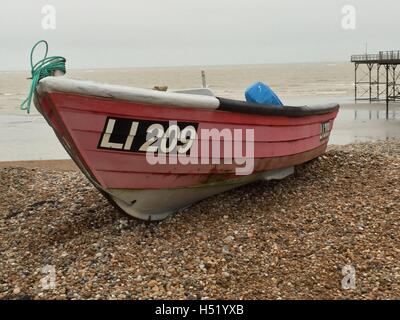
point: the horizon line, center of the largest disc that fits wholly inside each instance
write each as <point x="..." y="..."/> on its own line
<point x="188" y="65"/>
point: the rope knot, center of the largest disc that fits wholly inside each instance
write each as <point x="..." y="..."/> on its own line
<point x="42" y="69"/>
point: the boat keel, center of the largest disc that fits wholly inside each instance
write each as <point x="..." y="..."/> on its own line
<point x="156" y="204"/>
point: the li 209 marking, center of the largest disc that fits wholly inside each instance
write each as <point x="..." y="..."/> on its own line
<point x="133" y="135"/>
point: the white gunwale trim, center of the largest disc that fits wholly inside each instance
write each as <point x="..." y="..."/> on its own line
<point x="89" y="88"/>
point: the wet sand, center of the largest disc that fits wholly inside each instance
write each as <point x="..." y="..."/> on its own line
<point x="270" y="240"/>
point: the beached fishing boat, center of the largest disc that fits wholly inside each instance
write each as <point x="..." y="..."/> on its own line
<point x="153" y="153"/>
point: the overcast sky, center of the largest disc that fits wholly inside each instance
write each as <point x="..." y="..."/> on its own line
<point x="123" y="33"/>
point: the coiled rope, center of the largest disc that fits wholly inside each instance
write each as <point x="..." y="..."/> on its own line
<point x="42" y="69"/>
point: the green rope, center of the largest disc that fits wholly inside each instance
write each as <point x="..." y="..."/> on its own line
<point x="43" y="68"/>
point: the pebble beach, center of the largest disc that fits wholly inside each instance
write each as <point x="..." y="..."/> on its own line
<point x="285" y="239"/>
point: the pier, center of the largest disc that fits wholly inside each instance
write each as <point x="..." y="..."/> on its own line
<point x="377" y="77"/>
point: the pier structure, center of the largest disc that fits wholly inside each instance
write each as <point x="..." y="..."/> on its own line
<point x="377" y="77"/>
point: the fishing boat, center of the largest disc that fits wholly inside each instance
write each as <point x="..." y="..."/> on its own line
<point x="146" y="150"/>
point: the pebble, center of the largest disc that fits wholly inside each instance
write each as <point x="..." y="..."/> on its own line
<point x="16" y="291"/>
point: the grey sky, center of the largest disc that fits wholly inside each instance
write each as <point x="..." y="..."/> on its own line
<point x="122" y="33"/>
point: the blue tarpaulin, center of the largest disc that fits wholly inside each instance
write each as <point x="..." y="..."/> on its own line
<point x="261" y="93"/>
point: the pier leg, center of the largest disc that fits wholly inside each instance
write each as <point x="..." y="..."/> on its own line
<point x="377" y="82"/>
<point x="355" y="81"/>
<point x="394" y="82"/>
<point x="387" y="92"/>
<point x="370" y="66"/>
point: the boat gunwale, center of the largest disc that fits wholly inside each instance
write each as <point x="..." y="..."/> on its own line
<point x="238" y="106"/>
<point x="178" y="100"/>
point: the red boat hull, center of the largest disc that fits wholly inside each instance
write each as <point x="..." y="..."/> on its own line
<point x="79" y="121"/>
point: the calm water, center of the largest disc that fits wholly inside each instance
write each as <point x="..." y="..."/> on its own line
<point x="24" y="137"/>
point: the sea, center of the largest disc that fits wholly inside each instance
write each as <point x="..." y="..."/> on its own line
<point x="28" y="137"/>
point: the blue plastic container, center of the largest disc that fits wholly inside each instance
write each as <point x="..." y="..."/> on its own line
<point x="261" y="93"/>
